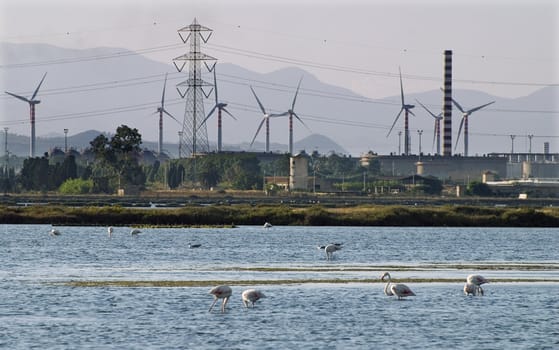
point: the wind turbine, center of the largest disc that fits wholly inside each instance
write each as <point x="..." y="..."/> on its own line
<point x="407" y="109"/>
<point x="32" y="102"/>
<point x="464" y="122"/>
<point x="220" y="107"/>
<point x="437" y="129"/>
<point x="266" y="119"/>
<point x="291" y="112"/>
<point x="161" y="110"/>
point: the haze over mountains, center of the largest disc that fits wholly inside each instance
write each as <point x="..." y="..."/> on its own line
<point x="100" y="89"/>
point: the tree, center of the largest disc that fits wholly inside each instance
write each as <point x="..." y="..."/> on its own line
<point x="175" y="175"/>
<point x="35" y="173"/>
<point x="117" y="160"/>
<point x="476" y="188"/>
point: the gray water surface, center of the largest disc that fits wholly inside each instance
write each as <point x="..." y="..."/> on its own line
<point x="38" y="310"/>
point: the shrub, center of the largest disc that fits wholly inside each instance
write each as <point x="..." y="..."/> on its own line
<point x="76" y="186"/>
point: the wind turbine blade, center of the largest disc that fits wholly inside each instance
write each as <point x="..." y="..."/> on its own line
<point x="425" y="108"/>
<point x="296" y="92"/>
<point x="401" y="87"/>
<point x="459" y="132"/>
<point x="202" y="123"/>
<point x="163" y="95"/>
<point x="37" y="89"/>
<point x="257" y="131"/>
<point x="410" y="112"/>
<point x="480" y="107"/>
<point x="273" y="115"/>
<point x="395" y="120"/>
<point x="302" y="122"/>
<point x="215" y="87"/>
<point x="458" y="106"/>
<point x="226" y="111"/>
<point x="18" y="96"/>
<point x="169" y="114"/>
<point x="213" y="109"/>
<point x="257" y="100"/>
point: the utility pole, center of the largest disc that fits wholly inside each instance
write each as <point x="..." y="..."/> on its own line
<point x="530" y="143"/>
<point x="194" y="137"/>
<point x="180" y="144"/>
<point x="6" y="148"/>
<point x="512" y="142"/>
<point x="65" y="140"/>
<point x="420" y="132"/>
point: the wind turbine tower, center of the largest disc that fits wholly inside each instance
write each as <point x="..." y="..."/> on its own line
<point x="32" y="102"/>
<point x="265" y="119"/>
<point x="464" y="123"/>
<point x="194" y="137"/>
<point x="220" y="107"/>
<point x="437" y="128"/>
<point x="407" y="108"/>
<point x="161" y="110"/>
<point x="291" y="113"/>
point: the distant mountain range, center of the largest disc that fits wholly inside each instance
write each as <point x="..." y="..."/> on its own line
<point x="19" y="144"/>
<point x="102" y="88"/>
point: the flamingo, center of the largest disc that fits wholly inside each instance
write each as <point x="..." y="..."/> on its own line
<point x="135" y="231"/>
<point x="251" y="295"/>
<point x="472" y="289"/>
<point x="54" y="232"/>
<point x="473" y="284"/>
<point x="220" y="292"/>
<point x="398" y="289"/>
<point x="110" y="231"/>
<point x="330" y="249"/>
<point x="478" y="280"/>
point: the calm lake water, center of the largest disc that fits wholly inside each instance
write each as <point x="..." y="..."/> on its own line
<point x="38" y="310"/>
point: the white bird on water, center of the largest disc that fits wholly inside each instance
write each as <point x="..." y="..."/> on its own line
<point x="110" y="231"/>
<point x="54" y="232"/>
<point x="267" y="225"/>
<point x="398" y="289"/>
<point x="472" y="289"/>
<point x="135" y="231"/>
<point x="330" y="249"/>
<point x="220" y="292"/>
<point x="251" y="296"/>
<point x="473" y="285"/>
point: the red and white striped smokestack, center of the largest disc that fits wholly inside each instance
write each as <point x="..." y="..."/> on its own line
<point x="447" y="104"/>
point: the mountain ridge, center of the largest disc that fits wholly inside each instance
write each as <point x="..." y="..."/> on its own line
<point x="81" y="93"/>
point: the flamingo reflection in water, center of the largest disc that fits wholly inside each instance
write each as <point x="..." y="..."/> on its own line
<point x="398" y="289"/>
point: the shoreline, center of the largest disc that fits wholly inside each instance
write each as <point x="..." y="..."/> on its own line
<point x="227" y="215"/>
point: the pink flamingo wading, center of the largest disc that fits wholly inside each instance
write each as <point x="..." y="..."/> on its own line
<point x="473" y="285"/>
<point x="398" y="289"/>
<point x="220" y="292"/>
<point x="251" y="296"/>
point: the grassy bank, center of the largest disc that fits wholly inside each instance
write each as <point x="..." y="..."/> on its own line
<point x="226" y="215"/>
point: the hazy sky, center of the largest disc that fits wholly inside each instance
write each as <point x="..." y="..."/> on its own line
<point x="508" y="48"/>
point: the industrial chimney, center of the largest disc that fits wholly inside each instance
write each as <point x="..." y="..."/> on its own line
<point x="447" y="104"/>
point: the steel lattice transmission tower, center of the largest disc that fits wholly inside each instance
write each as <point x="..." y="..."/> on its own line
<point x="194" y="137"/>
